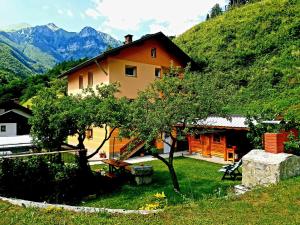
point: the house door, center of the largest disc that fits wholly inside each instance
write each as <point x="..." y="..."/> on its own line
<point x="206" y="150"/>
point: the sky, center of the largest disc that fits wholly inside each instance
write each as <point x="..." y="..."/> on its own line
<point x="115" y="17"/>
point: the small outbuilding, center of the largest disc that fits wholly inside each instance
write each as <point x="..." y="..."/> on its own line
<point x="222" y="137"/>
<point x="14" y="119"/>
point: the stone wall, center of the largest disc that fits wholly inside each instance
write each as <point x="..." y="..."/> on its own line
<point x="263" y="168"/>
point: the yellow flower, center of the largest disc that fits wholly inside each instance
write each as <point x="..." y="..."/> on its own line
<point x="151" y="206"/>
<point x="160" y="195"/>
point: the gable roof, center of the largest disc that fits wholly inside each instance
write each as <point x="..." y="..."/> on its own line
<point x="16" y="111"/>
<point x="160" y="36"/>
<point x="9" y="105"/>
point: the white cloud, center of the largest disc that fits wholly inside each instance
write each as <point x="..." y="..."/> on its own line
<point x="69" y="13"/>
<point x="59" y="11"/>
<point x="45" y="7"/>
<point x="92" y="13"/>
<point x="172" y="17"/>
<point x="82" y="15"/>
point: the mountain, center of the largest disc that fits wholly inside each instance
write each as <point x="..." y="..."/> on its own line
<point x="257" y="48"/>
<point x="14" y="27"/>
<point x="36" y="49"/>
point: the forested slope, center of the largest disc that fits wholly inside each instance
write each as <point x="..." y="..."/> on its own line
<point x="257" y="48"/>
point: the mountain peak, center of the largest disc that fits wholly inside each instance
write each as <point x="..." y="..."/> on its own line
<point x="88" y="31"/>
<point x="52" y="26"/>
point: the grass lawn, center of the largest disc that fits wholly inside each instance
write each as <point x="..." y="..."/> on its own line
<point x="198" y="180"/>
<point x="278" y="204"/>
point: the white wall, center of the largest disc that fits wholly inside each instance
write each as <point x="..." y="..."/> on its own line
<point x="11" y="129"/>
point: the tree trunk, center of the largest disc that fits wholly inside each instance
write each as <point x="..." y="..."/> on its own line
<point x="169" y="164"/>
<point x="82" y="152"/>
<point x="174" y="178"/>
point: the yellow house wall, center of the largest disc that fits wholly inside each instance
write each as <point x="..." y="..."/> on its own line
<point x="98" y="77"/>
<point x="130" y="85"/>
<point x="92" y="144"/>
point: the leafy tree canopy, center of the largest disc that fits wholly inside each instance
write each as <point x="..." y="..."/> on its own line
<point x="170" y="105"/>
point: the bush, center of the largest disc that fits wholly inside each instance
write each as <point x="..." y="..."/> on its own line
<point x="292" y="146"/>
<point x="40" y="179"/>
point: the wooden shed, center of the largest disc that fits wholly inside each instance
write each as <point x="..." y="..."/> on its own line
<point x="222" y="137"/>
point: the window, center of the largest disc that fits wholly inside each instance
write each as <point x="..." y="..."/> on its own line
<point x="153" y="52"/>
<point x="90" y="79"/>
<point x="217" y="138"/>
<point x="3" y="128"/>
<point x="80" y="82"/>
<point x="89" y="133"/>
<point x="157" y="72"/>
<point x="130" y="71"/>
<point x="197" y="136"/>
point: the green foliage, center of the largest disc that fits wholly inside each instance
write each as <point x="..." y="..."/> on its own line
<point x="13" y="62"/>
<point x="49" y="128"/>
<point x="263" y="206"/>
<point x="44" y="179"/>
<point x="179" y="98"/>
<point x="26" y="88"/>
<point x="292" y="145"/>
<point x="255" y="47"/>
<point x="175" y="100"/>
<point x="57" y="115"/>
<point x="215" y="11"/>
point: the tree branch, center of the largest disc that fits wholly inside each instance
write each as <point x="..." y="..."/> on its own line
<point x="103" y="142"/>
<point x="156" y="155"/>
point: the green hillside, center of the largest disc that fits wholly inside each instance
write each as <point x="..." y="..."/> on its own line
<point x="12" y="63"/>
<point x="20" y="61"/>
<point x="256" y="47"/>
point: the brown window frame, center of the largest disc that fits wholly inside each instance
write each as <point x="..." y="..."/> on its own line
<point x="80" y="80"/>
<point x="89" y="133"/>
<point x="90" y="79"/>
<point x="134" y="71"/>
<point x="153" y="53"/>
<point x="155" y="74"/>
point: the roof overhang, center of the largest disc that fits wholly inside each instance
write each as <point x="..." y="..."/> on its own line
<point x="170" y="45"/>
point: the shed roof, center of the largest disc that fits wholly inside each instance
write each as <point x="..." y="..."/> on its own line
<point x="222" y="122"/>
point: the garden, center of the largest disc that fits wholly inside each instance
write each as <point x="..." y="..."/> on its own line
<point x="198" y="179"/>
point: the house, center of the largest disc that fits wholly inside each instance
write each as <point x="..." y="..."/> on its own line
<point x="14" y="127"/>
<point x="134" y="65"/>
<point x="14" y="119"/>
<point x="222" y="137"/>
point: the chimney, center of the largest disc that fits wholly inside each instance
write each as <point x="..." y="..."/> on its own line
<point x="128" y="39"/>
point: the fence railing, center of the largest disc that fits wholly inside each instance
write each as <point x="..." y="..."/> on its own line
<point x="68" y="156"/>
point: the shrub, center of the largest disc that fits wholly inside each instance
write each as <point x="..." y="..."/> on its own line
<point x="40" y="179"/>
<point x="292" y="146"/>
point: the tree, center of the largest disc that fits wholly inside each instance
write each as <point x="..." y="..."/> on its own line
<point x="168" y="106"/>
<point x="100" y="108"/>
<point x="49" y="128"/>
<point x="233" y="3"/>
<point x="56" y="116"/>
<point x="216" y="11"/>
<point x="207" y="16"/>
